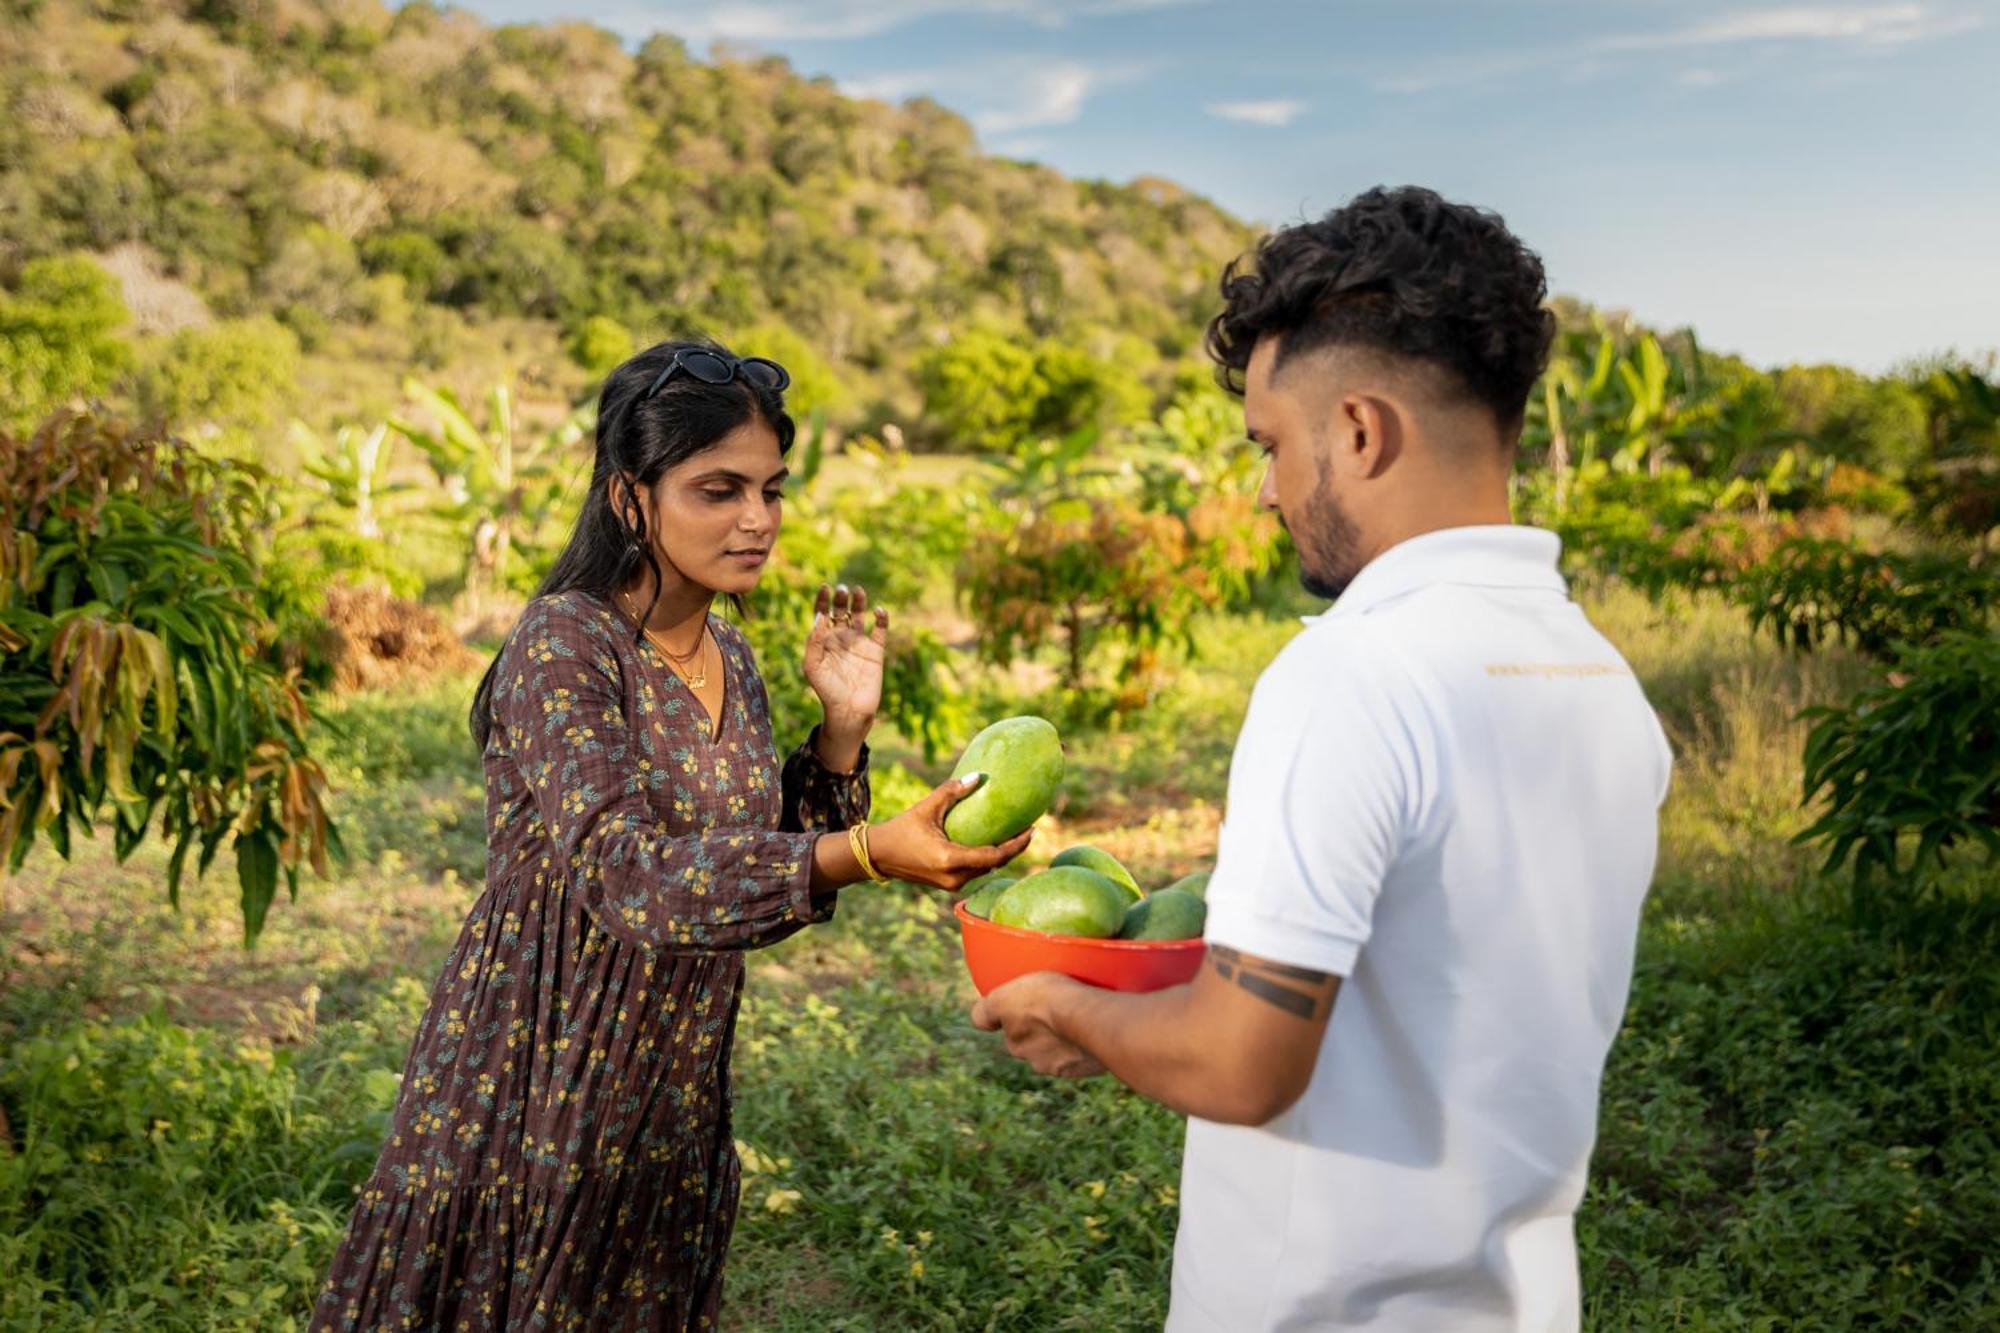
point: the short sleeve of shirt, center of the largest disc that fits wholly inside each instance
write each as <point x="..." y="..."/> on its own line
<point x="1328" y="787"/>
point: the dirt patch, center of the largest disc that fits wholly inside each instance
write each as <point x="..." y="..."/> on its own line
<point x="377" y="639"/>
<point x="96" y="939"/>
<point x="1162" y="845"/>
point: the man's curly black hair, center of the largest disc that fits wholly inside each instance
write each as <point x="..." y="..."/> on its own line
<point x="1398" y="271"/>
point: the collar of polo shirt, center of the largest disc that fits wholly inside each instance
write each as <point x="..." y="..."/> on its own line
<point x="1497" y="555"/>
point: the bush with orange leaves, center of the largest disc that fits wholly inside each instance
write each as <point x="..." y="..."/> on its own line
<point x="1721" y="546"/>
<point x="1080" y="570"/>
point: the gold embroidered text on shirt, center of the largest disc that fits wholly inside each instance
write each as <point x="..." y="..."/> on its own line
<point x="1557" y="669"/>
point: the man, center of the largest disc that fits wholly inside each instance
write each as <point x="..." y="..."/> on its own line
<point x="1442" y="820"/>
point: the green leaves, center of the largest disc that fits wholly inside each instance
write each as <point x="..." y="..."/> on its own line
<point x="257" y="871"/>
<point x="498" y="492"/>
<point x="990" y="391"/>
<point x="140" y="680"/>
<point x="1916" y="757"/>
<point x="1813" y="591"/>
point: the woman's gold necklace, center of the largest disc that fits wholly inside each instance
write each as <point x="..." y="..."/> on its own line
<point x="696" y="680"/>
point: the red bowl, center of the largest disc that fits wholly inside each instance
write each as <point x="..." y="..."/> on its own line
<point x="996" y="954"/>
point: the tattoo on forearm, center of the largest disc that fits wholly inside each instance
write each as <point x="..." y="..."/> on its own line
<point x="1299" y="991"/>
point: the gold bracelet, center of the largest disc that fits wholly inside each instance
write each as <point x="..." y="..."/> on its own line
<point x="857" y="842"/>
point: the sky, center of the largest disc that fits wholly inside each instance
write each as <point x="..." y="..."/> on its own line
<point x="1797" y="182"/>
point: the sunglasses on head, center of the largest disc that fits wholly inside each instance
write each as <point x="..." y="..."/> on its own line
<point x="715" y="368"/>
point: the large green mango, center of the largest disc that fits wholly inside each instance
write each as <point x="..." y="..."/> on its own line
<point x="1068" y="900"/>
<point x="1104" y="863"/>
<point x="1170" y="914"/>
<point x="1022" y="759"/>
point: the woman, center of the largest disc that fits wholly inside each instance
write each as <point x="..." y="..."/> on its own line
<point x="560" y="1155"/>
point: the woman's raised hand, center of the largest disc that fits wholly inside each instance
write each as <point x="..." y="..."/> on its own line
<point x="913" y="845"/>
<point x="846" y="650"/>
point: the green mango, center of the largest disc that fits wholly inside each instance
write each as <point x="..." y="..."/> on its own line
<point x="982" y="892"/>
<point x="1104" y="863"/>
<point x="1170" y="914"/>
<point x="1197" y="884"/>
<point x="1068" y="900"/>
<point x="1022" y="759"/>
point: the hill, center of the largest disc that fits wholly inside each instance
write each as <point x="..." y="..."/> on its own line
<point x="415" y="188"/>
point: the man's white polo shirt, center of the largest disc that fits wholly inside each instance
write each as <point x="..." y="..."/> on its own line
<point x="1447" y="792"/>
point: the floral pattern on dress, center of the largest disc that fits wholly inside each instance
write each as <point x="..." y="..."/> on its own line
<point x="560" y="1155"/>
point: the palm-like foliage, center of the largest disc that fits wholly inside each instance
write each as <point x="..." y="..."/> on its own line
<point x="354" y="472"/>
<point x="504" y="489"/>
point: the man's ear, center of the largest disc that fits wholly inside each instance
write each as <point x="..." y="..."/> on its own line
<point x="1371" y="433"/>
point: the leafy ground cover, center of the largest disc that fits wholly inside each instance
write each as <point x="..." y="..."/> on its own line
<point x="1798" y="1128"/>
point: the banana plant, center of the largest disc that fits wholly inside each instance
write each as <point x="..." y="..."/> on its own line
<point x="1740" y="432"/>
<point x="354" y="469"/>
<point x="1577" y="410"/>
<point x="499" y="487"/>
<point x="1964" y="410"/>
<point x="1629" y="407"/>
<point x="1658" y="391"/>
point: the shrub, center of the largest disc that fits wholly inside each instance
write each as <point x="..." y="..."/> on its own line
<point x="992" y="392"/>
<point x="58" y="337"/>
<point x="1917" y="756"/>
<point x="1814" y="590"/>
<point x="139" y="660"/>
<point x="598" y="344"/>
<point x="816" y="386"/>
<point x="919" y="692"/>
<point x="1076" y="571"/>
<point x="233" y="373"/>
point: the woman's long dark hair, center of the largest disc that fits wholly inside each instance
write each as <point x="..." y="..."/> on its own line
<point x="640" y="437"/>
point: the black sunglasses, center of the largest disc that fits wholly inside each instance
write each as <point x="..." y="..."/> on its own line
<point x="714" y="368"/>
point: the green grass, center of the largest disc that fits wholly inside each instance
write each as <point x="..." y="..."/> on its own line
<point x="1798" y="1127"/>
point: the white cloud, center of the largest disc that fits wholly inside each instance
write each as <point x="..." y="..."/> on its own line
<point x="1004" y="97"/>
<point x="1854" y="27"/>
<point x="1699" y="78"/>
<point x="1469" y="72"/>
<point x="1277" y="112"/>
<point x="1052" y="96"/>
<point x="1868" y="25"/>
<point x="699" y="23"/>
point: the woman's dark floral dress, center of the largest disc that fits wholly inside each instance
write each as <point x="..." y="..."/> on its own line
<point x="560" y="1155"/>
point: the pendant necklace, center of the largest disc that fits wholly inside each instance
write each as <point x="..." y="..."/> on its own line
<point x="696" y="680"/>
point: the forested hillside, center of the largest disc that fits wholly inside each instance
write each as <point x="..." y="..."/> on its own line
<point x="339" y="190"/>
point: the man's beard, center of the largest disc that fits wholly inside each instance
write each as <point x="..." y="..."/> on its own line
<point x="1328" y="542"/>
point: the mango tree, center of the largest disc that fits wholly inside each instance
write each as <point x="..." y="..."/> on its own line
<point x="1813" y="591"/>
<point x="139" y="676"/>
<point x="1911" y="764"/>
<point x="1069" y="554"/>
